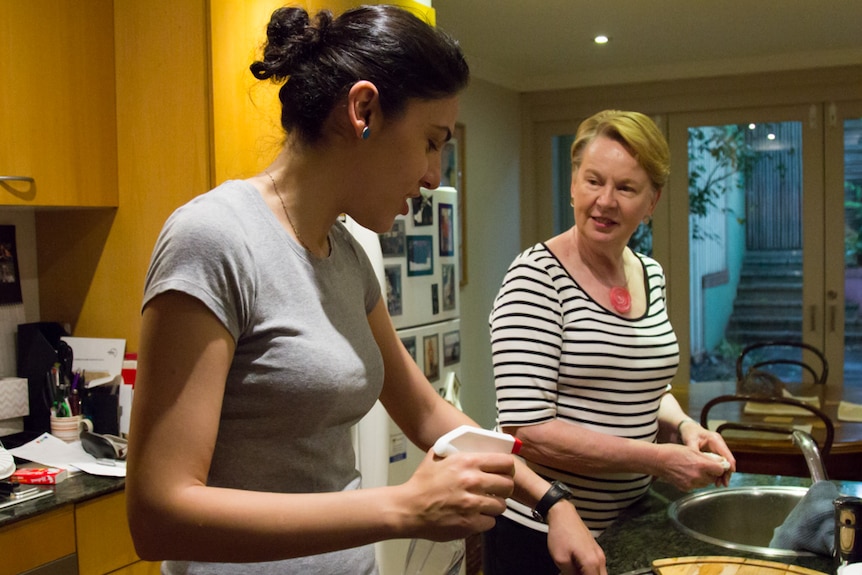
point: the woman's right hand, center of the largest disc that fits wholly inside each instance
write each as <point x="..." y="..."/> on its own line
<point x="688" y="469"/>
<point x="453" y="497"/>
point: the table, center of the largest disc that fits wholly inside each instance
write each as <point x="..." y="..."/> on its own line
<point x="778" y="456"/>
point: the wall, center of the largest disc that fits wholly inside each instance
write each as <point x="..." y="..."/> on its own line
<point x="491" y="116"/>
<point x="28" y="311"/>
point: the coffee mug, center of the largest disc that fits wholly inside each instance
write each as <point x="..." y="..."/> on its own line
<point x="69" y="428"/>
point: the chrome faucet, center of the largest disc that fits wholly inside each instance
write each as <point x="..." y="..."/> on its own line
<point x="811" y="453"/>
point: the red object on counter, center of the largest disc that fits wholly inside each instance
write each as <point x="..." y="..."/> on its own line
<point x="39" y="475"/>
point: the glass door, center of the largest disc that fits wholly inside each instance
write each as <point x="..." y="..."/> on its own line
<point x="753" y="242"/>
<point x="843" y="319"/>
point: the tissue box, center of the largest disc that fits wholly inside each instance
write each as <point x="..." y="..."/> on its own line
<point x="14" y="401"/>
<point x="14" y="404"/>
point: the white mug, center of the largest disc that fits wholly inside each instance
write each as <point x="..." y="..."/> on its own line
<point x="69" y="428"/>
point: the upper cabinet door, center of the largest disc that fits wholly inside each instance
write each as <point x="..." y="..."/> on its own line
<point x="57" y="104"/>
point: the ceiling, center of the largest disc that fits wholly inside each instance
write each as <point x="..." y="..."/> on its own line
<point x="536" y="45"/>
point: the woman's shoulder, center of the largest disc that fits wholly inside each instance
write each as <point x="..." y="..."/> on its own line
<point x="537" y="264"/>
<point x="537" y="254"/>
<point x="221" y="209"/>
<point x="649" y="263"/>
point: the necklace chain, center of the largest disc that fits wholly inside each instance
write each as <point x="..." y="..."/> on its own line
<point x="286" y="213"/>
<point x="621" y="298"/>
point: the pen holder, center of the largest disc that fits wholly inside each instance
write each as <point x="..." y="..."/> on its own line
<point x="69" y="428"/>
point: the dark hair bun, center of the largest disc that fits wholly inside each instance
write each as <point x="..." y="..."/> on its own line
<point x="291" y="39"/>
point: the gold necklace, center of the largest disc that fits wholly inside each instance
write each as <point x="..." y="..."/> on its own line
<point x="287" y="215"/>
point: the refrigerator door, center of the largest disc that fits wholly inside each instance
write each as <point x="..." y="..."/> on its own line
<point x="417" y="264"/>
<point x="420" y="261"/>
<point x="437" y="350"/>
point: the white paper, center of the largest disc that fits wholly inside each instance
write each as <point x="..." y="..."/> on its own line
<point x="105" y="467"/>
<point x="101" y="357"/>
<point x="50" y="451"/>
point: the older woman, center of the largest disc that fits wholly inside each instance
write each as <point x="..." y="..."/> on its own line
<point x="584" y="353"/>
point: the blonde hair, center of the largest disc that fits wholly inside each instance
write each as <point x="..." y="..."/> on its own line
<point x="637" y="132"/>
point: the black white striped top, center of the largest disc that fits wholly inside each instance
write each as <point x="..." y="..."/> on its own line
<point x="559" y="354"/>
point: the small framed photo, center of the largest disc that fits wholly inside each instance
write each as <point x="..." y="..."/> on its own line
<point x="423" y="210"/>
<point x="10" y="276"/>
<point x="393" y="288"/>
<point x="432" y="357"/>
<point x="420" y="255"/>
<point x="451" y="348"/>
<point x="446" y="223"/>
<point x="409" y="343"/>
<point x="392" y="242"/>
<point x="449" y="290"/>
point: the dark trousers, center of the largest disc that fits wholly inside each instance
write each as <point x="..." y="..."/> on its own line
<point x="512" y="549"/>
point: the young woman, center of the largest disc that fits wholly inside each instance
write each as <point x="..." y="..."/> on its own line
<point x="265" y="337"/>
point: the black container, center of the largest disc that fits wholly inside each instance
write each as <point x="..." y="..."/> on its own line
<point x="848" y="532"/>
<point x="37" y="345"/>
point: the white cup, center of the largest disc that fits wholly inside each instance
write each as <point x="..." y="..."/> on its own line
<point x="69" y="428"/>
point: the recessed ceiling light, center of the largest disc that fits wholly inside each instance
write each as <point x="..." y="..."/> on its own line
<point x="601" y="39"/>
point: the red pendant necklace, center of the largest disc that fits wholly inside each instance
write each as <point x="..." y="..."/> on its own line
<point x="621" y="299"/>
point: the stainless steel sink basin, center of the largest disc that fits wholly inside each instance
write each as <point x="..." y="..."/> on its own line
<point x="742" y="518"/>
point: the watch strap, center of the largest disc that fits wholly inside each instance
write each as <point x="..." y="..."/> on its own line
<point x="557" y="492"/>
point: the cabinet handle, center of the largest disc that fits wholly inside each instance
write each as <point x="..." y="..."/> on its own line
<point x="17" y="179"/>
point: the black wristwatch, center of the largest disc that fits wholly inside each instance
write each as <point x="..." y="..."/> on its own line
<point x="557" y="492"/>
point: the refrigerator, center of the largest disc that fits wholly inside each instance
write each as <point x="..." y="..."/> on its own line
<point x="417" y="264"/>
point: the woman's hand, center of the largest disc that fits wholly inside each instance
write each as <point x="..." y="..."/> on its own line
<point x="695" y="437"/>
<point x="453" y="497"/>
<point x="695" y="464"/>
<point x="570" y="543"/>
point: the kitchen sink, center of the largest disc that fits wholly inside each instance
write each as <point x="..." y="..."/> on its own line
<point x="741" y="518"/>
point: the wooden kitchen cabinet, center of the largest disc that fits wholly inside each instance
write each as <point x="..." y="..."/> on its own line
<point x="104" y="541"/>
<point x="58" y="103"/>
<point x="36" y="541"/>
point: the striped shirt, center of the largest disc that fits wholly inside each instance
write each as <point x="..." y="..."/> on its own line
<point x="559" y="354"/>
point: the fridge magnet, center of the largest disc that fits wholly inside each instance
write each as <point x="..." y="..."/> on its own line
<point x="423" y="210"/>
<point x="410" y="344"/>
<point x="447" y="237"/>
<point x="392" y="242"/>
<point x="448" y="271"/>
<point x="393" y="289"/>
<point x="432" y="363"/>
<point x="420" y="255"/>
<point x="451" y="348"/>
<point x="435" y="300"/>
<point x="10" y="278"/>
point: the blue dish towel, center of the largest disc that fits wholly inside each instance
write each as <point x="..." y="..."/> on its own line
<point x="811" y="524"/>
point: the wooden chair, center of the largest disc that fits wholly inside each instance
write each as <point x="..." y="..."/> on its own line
<point x="766" y="368"/>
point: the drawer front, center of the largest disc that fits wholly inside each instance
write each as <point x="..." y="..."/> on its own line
<point x="104" y="540"/>
<point x="33" y="542"/>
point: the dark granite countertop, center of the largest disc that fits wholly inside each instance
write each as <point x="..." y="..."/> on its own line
<point x="645" y="532"/>
<point x="75" y="489"/>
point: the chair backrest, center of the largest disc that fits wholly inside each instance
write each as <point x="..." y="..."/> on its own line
<point x="828" y="426"/>
<point x="789" y="361"/>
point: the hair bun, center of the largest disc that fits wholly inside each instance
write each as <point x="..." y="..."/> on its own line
<point x="291" y="39"/>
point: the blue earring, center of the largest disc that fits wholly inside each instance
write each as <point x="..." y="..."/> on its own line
<point x="366" y="132"/>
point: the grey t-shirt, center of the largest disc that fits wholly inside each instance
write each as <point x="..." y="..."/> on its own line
<point x="306" y="366"/>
